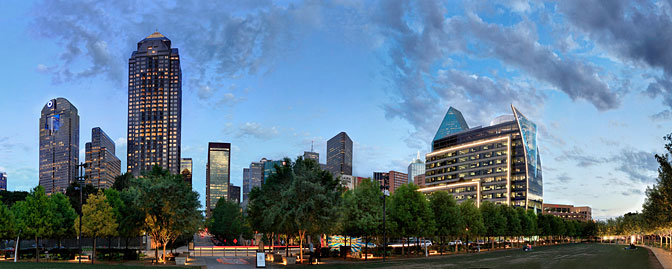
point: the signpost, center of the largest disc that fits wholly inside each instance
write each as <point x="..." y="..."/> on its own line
<point x="261" y="259"/>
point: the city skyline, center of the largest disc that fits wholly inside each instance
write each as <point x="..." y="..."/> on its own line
<point x="598" y="127"/>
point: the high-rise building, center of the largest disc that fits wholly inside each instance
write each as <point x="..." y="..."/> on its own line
<point x="309" y="155"/>
<point x="256" y="177"/>
<point x="154" y="106"/>
<point x="392" y="179"/>
<point x="234" y="194"/>
<point x="453" y="122"/>
<point x="246" y="186"/>
<point x="498" y="163"/>
<point x="186" y="168"/>
<point x="3" y="181"/>
<point x="269" y="167"/>
<point x="217" y="178"/>
<point x="102" y="165"/>
<point x="416" y="167"/>
<point x="339" y="155"/>
<point x="59" y="145"/>
<point x="582" y="213"/>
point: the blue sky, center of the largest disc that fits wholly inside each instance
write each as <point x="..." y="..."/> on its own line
<point x="270" y="77"/>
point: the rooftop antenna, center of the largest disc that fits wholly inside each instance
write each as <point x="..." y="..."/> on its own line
<point x="311" y="145"/>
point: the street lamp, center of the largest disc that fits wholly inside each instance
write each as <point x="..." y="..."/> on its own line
<point x="386" y="192"/>
<point x="81" y="179"/>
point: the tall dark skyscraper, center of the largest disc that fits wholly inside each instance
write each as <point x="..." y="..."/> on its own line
<point x="246" y="186"/>
<point x="186" y="168"/>
<point x="102" y="165"/>
<point x="59" y="145"/>
<point x="234" y="194"/>
<point x="217" y="176"/>
<point x="339" y="155"/>
<point x="154" y="106"/>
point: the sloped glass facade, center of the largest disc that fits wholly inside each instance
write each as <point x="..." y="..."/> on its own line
<point x="453" y="122"/>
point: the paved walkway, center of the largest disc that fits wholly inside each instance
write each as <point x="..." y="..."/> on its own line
<point x="663" y="256"/>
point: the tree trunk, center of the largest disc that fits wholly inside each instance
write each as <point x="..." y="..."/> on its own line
<point x="366" y="248"/>
<point x="493" y="243"/>
<point x="164" y="252"/>
<point x="287" y="246"/>
<point x="93" y="257"/>
<point x="156" y="249"/>
<point x="37" y="248"/>
<point x="109" y="246"/>
<point x="301" y="235"/>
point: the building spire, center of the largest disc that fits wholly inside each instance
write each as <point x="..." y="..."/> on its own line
<point x="418" y="155"/>
<point x="311" y="145"/>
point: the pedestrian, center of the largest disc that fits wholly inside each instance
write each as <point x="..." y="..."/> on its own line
<point x="310" y="249"/>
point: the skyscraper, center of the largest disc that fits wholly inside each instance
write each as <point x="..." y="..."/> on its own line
<point x="416" y="167"/>
<point x="186" y="165"/>
<point x="102" y="165"/>
<point x="339" y="155"/>
<point x="234" y="194"/>
<point x="246" y="186"/>
<point x="154" y="106"/>
<point x="3" y="181"/>
<point x="59" y="145"/>
<point x="309" y="155"/>
<point x="453" y="122"/>
<point x="392" y="179"/>
<point x="217" y="174"/>
<point x="498" y="163"/>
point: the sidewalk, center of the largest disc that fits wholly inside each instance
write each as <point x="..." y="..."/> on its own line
<point x="663" y="256"/>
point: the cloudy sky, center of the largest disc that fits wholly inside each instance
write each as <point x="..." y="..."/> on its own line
<point x="270" y="77"/>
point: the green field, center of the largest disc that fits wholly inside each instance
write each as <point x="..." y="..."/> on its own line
<point x="561" y="256"/>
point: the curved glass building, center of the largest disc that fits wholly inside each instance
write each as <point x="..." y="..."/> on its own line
<point x="498" y="163"/>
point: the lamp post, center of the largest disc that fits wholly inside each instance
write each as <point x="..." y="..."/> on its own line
<point x="80" y="179"/>
<point x="386" y="192"/>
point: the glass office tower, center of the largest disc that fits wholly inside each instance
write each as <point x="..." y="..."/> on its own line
<point x="217" y="177"/>
<point x="59" y="145"/>
<point x="498" y="163"/>
<point x="339" y="155"/>
<point x="154" y="106"/>
<point x="415" y="168"/>
<point x="102" y="165"/>
<point x="186" y="166"/>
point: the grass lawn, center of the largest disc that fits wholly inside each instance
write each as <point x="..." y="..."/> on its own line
<point x="560" y="256"/>
<point x="56" y="265"/>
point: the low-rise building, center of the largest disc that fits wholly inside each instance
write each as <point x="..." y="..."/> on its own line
<point x="571" y="212"/>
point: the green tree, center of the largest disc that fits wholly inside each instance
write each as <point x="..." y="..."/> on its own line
<point x="409" y="209"/>
<point x="513" y="222"/>
<point x="122" y="182"/>
<point x="7" y="222"/>
<point x="32" y="218"/>
<point x="98" y="219"/>
<point x="10" y="197"/>
<point x="169" y="205"/>
<point x="72" y="192"/>
<point x="132" y="217"/>
<point x="226" y="222"/>
<point x="64" y="216"/>
<point x="473" y="219"/>
<point x="312" y="200"/>
<point x="363" y="211"/>
<point x="657" y="208"/>
<point x="446" y="215"/>
<point x="528" y="222"/>
<point x="494" y="221"/>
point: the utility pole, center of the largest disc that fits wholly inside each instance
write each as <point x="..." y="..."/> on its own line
<point x="386" y="192"/>
<point x="80" y="179"/>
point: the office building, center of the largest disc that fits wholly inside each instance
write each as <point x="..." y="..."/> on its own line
<point x="186" y="168"/>
<point x="59" y="145"/>
<point x="217" y="174"/>
<point x="347" y="181"/>
<point x="269" y="167"/>
<point x="453" y="122"/>
<point x="308" y="155"/>
<point x="416" y="167"/>
<point x="256" y="177"/>
<point x="103" y="166"/>
<point x="246" y="186"/>
<point x="419" y="180"/>
<point x="392" y="179"/>
<point x="234" y="194"/>
<point x="3" y="181"/>
<point x="339" y="155"/>
<point x="498" y="163"/>
<point x="154" y="106"/>
<point x="570" y="212"/>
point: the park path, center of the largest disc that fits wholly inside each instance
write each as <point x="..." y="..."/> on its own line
<point x="663" y="256"/>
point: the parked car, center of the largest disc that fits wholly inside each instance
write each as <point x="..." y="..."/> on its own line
<point x="456" y="242"/>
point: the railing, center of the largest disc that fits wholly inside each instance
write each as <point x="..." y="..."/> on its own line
<point x="233" y="251"/>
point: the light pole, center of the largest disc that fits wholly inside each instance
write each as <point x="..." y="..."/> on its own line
<point x="386" y="192"/>
<point x="80" y="179"/>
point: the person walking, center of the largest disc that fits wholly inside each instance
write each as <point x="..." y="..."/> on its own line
<point x="310" y="249"/>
